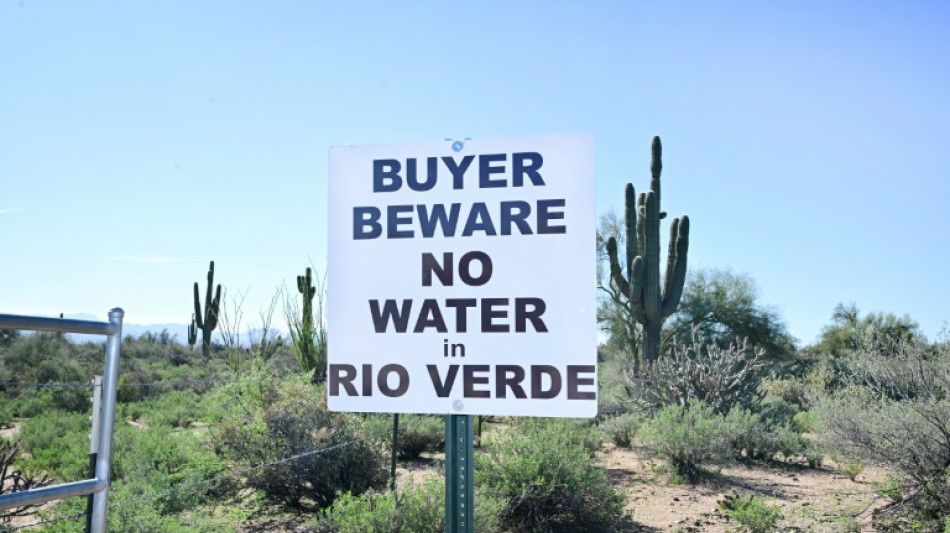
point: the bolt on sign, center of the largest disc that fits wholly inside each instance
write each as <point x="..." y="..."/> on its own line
<point x="461" y="277"/>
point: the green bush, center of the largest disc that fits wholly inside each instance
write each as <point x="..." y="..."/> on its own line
<point x="544" y="472"/>
<point x="6" y="416"/>
<point x="31" y="402"/>
<point x="754" y="515"/>
<point x="852" y="470"/>
<point x="621" y="429"/>
<point x="774" y="411"/>
<point x="578" y="431"/>
<point x="805" y="421"/>
<point x="412" y="509"/>
<point x="155" y="459"/>
<point x="895" y="411"/>
<point x="752" y="437"/>
<point x="176" y="409"/>
<point x="418" y="433"/>
<point x="58" y="443"/>
<point x="687" y="437"/>
<point x="296" y="422"/>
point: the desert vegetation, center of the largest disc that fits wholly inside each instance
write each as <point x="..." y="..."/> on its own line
<point x="702" y="392"/>
<point x="202" y="440"/>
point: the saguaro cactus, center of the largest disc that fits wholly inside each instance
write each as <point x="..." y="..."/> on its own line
<point x="305" y="345"/>
<point x="207" y="320"/>
<point x="192" y="333"/>
<point x="650" y="305"/>
<point x="306" y="288"/>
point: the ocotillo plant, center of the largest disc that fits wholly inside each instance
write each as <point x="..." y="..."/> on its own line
<point x="192" y="333"/>
<point x="650" y="306"/>
<point x="208" y="320"/>
<point x="306" y="355"/>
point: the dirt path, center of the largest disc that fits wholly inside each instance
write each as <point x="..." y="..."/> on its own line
<point x="812" y="500"/>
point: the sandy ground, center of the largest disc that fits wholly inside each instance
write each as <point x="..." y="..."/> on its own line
<point x="812" y="500"/>
<point x="819" y="500"/>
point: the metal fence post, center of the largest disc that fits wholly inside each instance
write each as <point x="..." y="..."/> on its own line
<point x="392" y="470"/>
<point x="98" y="485"/>
<point x="94" y="442"/>
<point x="100" y="503"/>
<point x="459" y="474"/>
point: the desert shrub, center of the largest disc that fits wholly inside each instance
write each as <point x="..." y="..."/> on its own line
<point x="720" y="377"/>
<point x="13" y="478"/>
<point x="577" y="431"/>
<point x="687" y="437"/>
<point x="898" y="415"/>
<point x="760" y="435"/>
<point x="6" y="416"/>
<point x="43" y="358"/>
<point x="621" y="429"/>
<point x="793" y="390"/>
<point x="891" y="487"/>
<point x="805" y="421"/>
<point x="297" y="422"/>
<point x="900" y="370"/>
<point x="547" y="478"/>
<point x="775" y="411"/>
<point x="58" y="443"/>
<point x="176" y="409"/>
<point x="417" y="433"/>
<point x="40" y="357"/>
<point x="155" y="459"/>
<point x="754" y="515"/>
<point x="412" y="509"/>
<point x="138" y="518"/>
<point x="851" y="470"/>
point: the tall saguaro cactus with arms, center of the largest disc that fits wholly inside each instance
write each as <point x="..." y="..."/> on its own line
<point x="207" y="320"/>
<point x="307" y="351"/>
<point x="650" y="304"/>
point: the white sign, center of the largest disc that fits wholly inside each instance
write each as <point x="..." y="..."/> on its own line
<point x="461" y="277"/>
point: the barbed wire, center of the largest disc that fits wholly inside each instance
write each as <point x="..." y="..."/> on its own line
<point x="48" y="384"/>
<point x="198" y="483"/>
<point x="242" y="471"/>
<point x="210" y="481"/>
<point x="170" y="383"/>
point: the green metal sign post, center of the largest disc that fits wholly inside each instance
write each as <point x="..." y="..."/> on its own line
<point x="459" y="475"/>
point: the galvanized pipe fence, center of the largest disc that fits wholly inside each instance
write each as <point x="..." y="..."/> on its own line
<point x="192" y="485"/>
<point x="98" y="485"/>
<point x="96" y="383"/>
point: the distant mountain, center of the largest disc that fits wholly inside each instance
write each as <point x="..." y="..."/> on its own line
<point x="179" y="332"/>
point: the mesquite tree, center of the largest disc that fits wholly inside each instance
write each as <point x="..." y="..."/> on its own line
<point x="649" y="304"/>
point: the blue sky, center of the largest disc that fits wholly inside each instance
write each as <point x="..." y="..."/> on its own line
<point x="809" y="142"/>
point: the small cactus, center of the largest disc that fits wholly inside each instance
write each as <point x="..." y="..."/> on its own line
<point x="207" y="320"/>
<point x="642" y="216"/>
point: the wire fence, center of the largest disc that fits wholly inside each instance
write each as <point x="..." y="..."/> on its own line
<point x="164" y="383"/>
<point x="206" y="482"/>
<point x="198" y="483"/>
